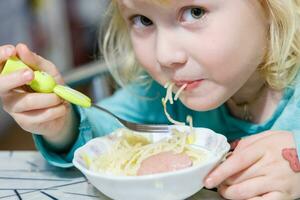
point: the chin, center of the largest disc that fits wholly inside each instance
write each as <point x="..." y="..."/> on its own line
<point x="200" y="104"/>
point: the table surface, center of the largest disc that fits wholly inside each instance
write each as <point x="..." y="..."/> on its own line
<point x="26" y="175"/>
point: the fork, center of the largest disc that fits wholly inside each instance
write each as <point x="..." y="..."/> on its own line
<point x="146" y="128"/>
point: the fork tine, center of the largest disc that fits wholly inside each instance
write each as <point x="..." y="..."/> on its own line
<point x="152" y="128"/>
<point x="151" y="131"/>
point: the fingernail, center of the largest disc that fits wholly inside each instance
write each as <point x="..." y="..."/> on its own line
<point x="27" y="75"/>
<point x="8" y="51"/>
<point x="209" y="183"/>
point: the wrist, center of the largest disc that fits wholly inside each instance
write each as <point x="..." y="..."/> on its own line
<point x="62" y="140"/>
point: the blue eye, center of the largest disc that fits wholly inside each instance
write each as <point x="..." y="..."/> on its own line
<point x="192" y="14"/>
<point x="141" y="21"/>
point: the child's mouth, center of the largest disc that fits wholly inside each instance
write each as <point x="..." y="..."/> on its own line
<point x="190" y="84"/>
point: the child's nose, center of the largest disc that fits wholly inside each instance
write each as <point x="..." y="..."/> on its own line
<point x="169" y="53"/>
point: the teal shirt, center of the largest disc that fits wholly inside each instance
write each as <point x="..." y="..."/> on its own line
<point x="143" y="105"/>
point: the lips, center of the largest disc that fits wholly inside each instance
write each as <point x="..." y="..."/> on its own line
<point x="190" y="84"/>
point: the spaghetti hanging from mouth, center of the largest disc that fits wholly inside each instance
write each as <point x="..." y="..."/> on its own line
<point x="179" y="91"/>
<point x="169" y="97"/>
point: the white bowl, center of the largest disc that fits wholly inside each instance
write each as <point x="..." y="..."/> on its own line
<point x="162" y="186"/>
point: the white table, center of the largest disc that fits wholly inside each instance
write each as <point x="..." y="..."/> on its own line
<point x="26" y="175"/>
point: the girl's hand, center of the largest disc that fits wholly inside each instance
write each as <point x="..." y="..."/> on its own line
<point x="45" y="114"/>
<point x="257" y="170"/>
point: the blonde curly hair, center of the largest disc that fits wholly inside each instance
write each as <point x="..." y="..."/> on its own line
<point x="282" y="61"/>
<point x="279" y="68"/>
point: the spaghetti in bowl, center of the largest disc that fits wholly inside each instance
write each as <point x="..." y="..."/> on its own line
<point x="99" y="160"/>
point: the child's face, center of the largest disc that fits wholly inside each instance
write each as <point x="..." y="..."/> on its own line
<point x="213" y="45"/>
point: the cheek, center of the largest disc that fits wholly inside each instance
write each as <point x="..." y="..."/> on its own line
<point x="229" y="56"/>
<point x="223" y="62"/>
<point x="143" y="49"/>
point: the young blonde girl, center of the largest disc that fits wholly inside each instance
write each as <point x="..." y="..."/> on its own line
<point x="239" y="61"/>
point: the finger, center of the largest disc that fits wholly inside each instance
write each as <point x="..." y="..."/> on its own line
<point x="233" y="165"/>
<point x="272" y="196"/>
<point x="35" y="118"/>
<point x="37" y="62"/>
<point x="255" y="170"/>
<point x="15" y="80"/>
<point x="243" y="143"/>
<point x="6" y="51"/>
<point x="17" y="103"/>
<point x="248" y="189"/>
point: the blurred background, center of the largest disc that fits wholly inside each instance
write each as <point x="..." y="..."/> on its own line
<point x="66" y="33"/>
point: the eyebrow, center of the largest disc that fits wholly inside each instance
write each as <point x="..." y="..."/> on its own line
<point x="123" y="6"/>
<point x="122" y="3"/>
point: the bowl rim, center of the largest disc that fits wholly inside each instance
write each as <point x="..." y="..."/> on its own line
<point x="213" y="159"/>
